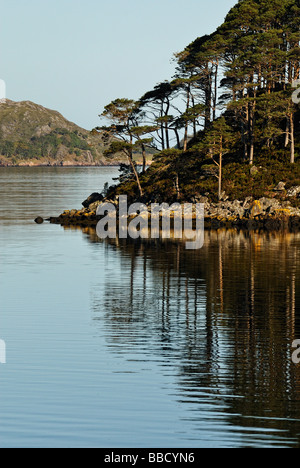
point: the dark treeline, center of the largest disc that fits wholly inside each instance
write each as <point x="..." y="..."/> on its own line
<point x="231" y="94"/>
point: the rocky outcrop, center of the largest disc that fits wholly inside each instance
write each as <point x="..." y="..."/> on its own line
<point x="280" y="187"/>
<point x="95" y="197"/>
<point x="293" y="192"/>
<point x="265" y="213"/>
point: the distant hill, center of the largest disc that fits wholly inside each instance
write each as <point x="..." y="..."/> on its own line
<point x="32" y="135"/>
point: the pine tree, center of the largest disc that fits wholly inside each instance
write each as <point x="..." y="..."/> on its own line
<point x="122" y="115"/>
<point x="218" y="142"/>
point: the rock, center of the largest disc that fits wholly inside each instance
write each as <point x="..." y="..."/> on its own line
<point x="272" y="206"/>
<point x="224" y="197"/>
<point x="94" y="206"/>
<point x="254" y="170"/>
<point x="293" y="192"/>
<point x="237" y="209"/>
<point x="73" y="213"/>
<point x="39" y="220"/>
<point x="267" y="203"/>
<point x="263" y="206"/>
<point x="92" y="199"/>
<point x="280" y="187"/>
<point x="227" y="210"/>
<point x="236" y="204"/>
<point x="201" y="199"/>
<point x="255" y="209"/>
<point x="247" y="202"/>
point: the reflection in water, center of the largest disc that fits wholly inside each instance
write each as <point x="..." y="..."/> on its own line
<point x="141" y="343"/>
<point x="221" y="320"/>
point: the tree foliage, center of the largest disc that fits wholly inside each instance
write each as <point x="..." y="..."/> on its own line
<point x="232" y="88"/>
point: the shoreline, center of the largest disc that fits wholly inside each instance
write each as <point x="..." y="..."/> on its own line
<point x="265" y="214"/>
<point x="115" y="164"/>
<point x="66" y="166"/>
<point x="266" y="224"/>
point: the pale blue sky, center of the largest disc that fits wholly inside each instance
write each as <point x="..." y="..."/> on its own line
<point x="75" y="56"/>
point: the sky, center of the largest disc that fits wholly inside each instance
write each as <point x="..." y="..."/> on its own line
<point x="76" y="56"/>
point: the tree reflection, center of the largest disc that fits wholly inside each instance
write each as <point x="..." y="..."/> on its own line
<point x="222" y="318"/>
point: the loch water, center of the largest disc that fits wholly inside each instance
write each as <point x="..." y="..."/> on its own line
<point x="127" y="343"/>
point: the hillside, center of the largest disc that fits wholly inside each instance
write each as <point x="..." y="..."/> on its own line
<point x="31" y="135"/>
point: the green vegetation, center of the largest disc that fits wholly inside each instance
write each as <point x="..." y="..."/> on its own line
<point x="228" y="108"/>
<point x="45" y="145"/>
<point x="31" y="134"/>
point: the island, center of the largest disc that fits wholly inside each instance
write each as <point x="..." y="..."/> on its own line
<point x="225" y="128"/>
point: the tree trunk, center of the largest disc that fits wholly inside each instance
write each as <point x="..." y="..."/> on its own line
<point x="162" y="137"/>
<point x="252" y="128"/>
<point x="245" y="127"/>
<point x="136" y="175"/>
<point x="177" y="138"/>
<point x="130" y="157"/>
<point x="194" y="120"/>
<point x="287" y="134"/>
<point x="177" y="186"/>
<point x="220" y="176"/>
<point x="251" y="151"/>
<point x="208" y="96"/>
<point x="215" y="92"/>
<point x="292" y="128"/>
<point x="144" y="157"/>
<point x="167" y="127"/>
<point x="185" y="142"/>
<point x="251" y="92"/>
<point x="167" y="136"/>
<point x="162" y="128"/>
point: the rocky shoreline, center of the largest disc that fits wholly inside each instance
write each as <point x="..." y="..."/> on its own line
<point x="61" y="164"/>
<point x="265" y="213"/>
<point x="69" y="163"/>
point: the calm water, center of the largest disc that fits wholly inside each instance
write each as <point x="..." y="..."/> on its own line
<point x="140" y="344"/>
